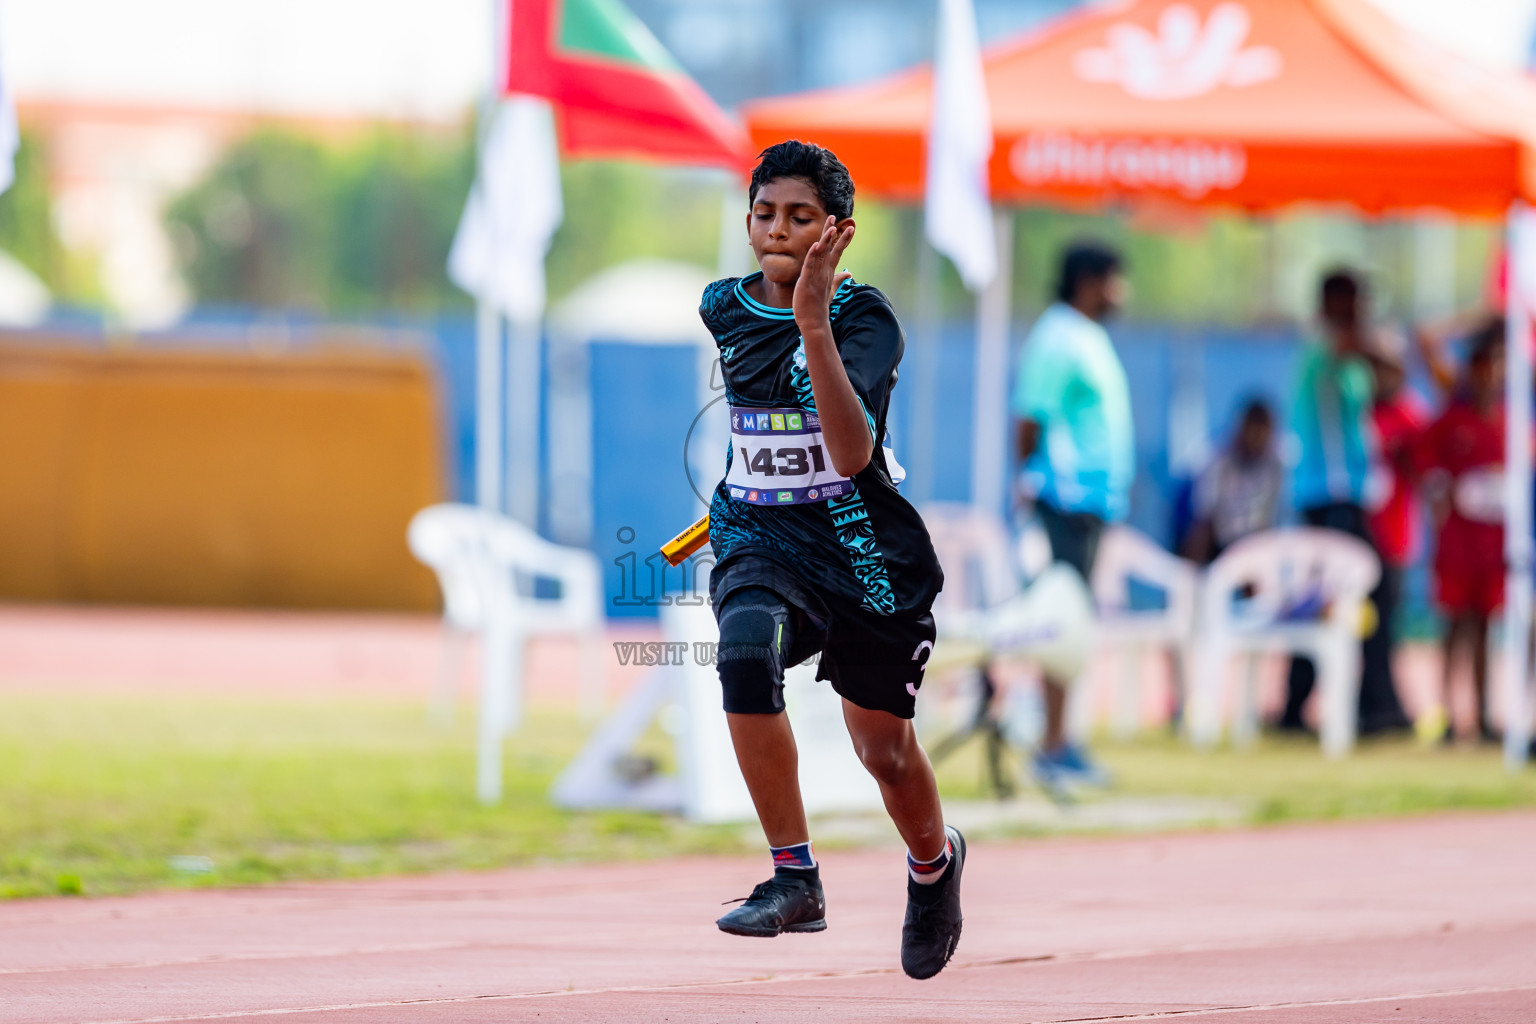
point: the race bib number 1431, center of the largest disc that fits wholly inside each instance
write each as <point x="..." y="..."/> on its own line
<point x="778" y="458"/>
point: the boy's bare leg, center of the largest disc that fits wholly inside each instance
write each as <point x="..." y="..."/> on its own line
<point x="1448" y="650"/>
<point x="1477" y="638"/>
<point x="765" y="750"/>
<point x="889" y="749"/>
<point x="1055" y="715"/>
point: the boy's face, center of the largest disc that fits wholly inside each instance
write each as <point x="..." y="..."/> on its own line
<point x="1344" y="310"/>
<point x="1486" y="376"/>
<point x="786" y="220"/>
<point x="1253" y="438"/>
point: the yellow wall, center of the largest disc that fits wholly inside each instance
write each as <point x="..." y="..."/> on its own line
<point x="204" y="478"/>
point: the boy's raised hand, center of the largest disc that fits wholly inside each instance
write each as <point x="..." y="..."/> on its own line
<point x="819" y="277"/>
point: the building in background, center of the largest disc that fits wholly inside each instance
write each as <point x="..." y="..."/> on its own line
<point x="740" y="49"/>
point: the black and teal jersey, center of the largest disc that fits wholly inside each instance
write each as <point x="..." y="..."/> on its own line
<point x="867" y="545"/>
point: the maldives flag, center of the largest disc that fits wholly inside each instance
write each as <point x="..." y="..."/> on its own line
<point x="615" y="90"/>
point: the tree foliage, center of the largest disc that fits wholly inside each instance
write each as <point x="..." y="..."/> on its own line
<point x="285" y="221"/>
<point x="26" y="215"/>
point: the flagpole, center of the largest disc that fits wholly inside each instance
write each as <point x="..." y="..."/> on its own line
<point x="487" y="406"/>
<point x="989" y="439"/>
<point x="523" y="400"/>
<point x="1521" y="246"/>
<point x="923" y="430"/>
<point x="495" y="668"/>
<point x="488" y="414"/>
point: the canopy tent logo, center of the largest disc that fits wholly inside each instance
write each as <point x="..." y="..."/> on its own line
<point x="1184" y="59"/>
<point x="1191" y="167"/>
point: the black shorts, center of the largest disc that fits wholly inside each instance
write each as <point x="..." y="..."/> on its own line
<point x="874" y="661"/>
<point x="1074" y="537"/>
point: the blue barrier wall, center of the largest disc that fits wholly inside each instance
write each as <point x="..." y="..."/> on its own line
<point x="645" y="397"/>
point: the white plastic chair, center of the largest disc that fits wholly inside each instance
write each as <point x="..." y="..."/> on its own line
<point x="1124" y="555"/>
<point x="487" y="566"/>
<point x="450" y="539"/>
<point x="986" y="611"/>
<point x="976" y="554"/>
<point x="1285" y="567"/>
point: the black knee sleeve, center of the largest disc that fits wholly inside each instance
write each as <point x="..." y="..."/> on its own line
<point x="756" y="633"/>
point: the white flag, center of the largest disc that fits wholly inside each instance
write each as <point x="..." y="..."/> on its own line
<point x="513" y="210"/>
<point x="958" y="206"/>
<point x="10" y="138"/>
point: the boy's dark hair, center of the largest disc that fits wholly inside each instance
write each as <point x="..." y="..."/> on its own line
<point x="1257" y="410"/>
<point x="1485" y="341"/>
<point x="817" y="167"/>
<point x="1340" y="283"/>
<point x="1085" y="261"/>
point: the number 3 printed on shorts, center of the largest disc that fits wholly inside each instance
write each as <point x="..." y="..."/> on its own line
<point x="921" y="655"/>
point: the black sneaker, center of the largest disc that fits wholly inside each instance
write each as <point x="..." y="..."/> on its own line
<point x="790" y="901"/>
<point x="932" y="929"/>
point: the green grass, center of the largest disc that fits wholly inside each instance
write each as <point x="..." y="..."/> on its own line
<point x="1288" y="780"/>
<point x="112" y="794"/>
<point x="98" y="794"/>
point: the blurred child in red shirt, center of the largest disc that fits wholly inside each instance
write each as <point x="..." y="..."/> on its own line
<point x="1462" y="457"/>
<point x="1399" y="416"/>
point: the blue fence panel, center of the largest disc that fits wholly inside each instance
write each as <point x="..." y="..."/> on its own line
<point x="643" y="399"/>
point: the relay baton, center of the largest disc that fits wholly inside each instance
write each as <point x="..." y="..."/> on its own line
<point x="677" y="550"/>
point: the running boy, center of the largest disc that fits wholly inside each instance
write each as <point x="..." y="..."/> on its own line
<point x="815" y="551"/>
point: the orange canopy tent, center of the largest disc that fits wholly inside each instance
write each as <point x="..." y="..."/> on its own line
<point x="1253" y="104"/>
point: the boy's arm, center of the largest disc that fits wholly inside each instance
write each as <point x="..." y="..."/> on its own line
<point x="843" y="425"/>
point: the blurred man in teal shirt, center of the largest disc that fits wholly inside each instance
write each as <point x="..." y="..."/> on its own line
<point x="1075" y="443"/>
<point x="1331" y="410"/>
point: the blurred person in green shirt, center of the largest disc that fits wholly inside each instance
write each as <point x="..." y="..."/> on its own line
<point x="1338" y="479"/>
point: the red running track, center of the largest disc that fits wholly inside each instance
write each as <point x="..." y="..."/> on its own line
<point x="1426" y="919"/>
